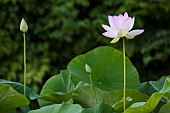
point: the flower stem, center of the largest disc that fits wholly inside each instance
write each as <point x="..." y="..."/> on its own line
<point x="95" y="98"/>
<point x="124" y="71"/>
<point x="25" y="68"/>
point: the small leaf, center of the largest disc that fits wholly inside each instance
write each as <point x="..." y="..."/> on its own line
<point x="137" y="104"/>
<point x="81" y="84"/>
<point x="129" y="99"/>
<point x="156" y="85"/>
<point x="11" y="99"/>
<point x="166" y="86"/>
<point x="147" y="88"/>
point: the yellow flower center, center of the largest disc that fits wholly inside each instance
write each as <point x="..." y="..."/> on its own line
<point x="121" y="33"/>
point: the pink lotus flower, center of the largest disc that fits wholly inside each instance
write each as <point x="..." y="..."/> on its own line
<point x="120" y="26"/>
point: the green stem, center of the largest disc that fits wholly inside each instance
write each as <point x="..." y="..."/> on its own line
<point x="124" y="67"/>
<point x="95" y="98"/>
<point x="25" y="68"/>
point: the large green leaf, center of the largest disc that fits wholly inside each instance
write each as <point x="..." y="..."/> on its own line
<point x="59" y="108"/>
<point x="106" y="65"/>
<point x="11" y="99"/>
<point x="100" y="108"/>
<point x="85" y="96"/>
<point x="30" y="94"/>
<point x="57" y="89"/>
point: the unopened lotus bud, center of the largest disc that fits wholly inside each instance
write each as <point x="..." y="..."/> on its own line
<point x="88" y="69"/>
<point x="23" y="26"/>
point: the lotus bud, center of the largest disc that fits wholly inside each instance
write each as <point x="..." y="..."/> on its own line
<point x="88" y="69"/>
<point x="23" y="26"/>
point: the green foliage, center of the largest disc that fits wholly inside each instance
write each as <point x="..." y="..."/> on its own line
<point x="60" y="30"/>
<point x="30" y="94"/>
<point x="11" y="99"/>
<point x="59" y="108"/>
<point x="146" y="107"/>
<point x="85" y="97"/>
<point x="106" y="69"/>
<point x="57" y="89"/>
<point x="60" y="87"/>
<point x="154" y="86"/>
<point x="150" y="105"/>
<point x="100" y="108"/>
<point x="165" y="108"/>
<point x="74" y="108"/>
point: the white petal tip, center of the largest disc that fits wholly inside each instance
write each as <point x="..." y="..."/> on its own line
<point x="134" y="33"/>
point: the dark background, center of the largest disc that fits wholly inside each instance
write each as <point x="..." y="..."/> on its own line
<point x="59" y="30"/>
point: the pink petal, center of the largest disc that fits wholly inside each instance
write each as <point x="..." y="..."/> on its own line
<point x="107" y="28"/>
<point x="110" y="18"/>
<point x="120" y="19"/>
<point x="133" y="33"/>
<point x="126" y="15"/>
<point x="110" y="34"/>
<point x="121" y="16"/>
<point x="128" y="23"/>
<point x="117" y="22"/>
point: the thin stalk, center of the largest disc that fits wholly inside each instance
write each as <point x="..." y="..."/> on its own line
<point x="124" y="71"/>
<point x="25" y="68"/>
<point x="95" y="98"/>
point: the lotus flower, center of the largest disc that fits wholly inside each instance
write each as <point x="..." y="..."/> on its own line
<point x="120" y="26"/>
